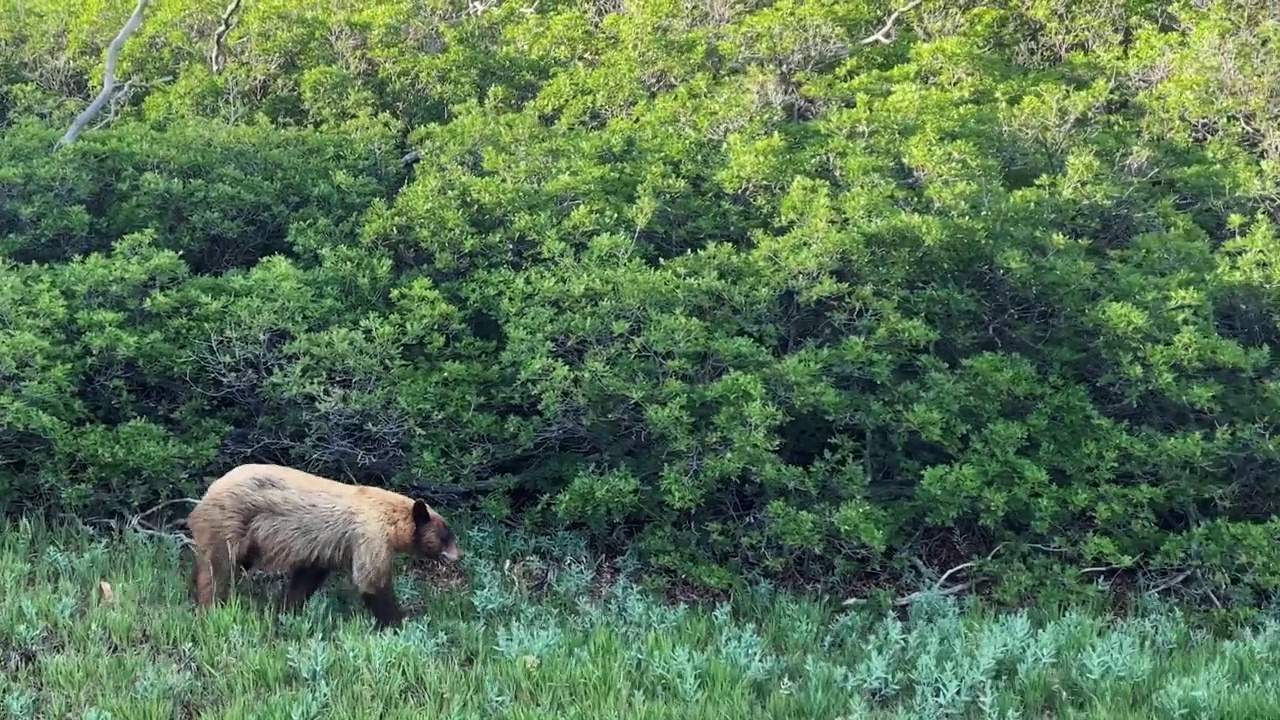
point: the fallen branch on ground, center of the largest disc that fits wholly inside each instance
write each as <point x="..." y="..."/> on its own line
<point x="167" y="503"/>
<point x="1170" y="583"/>
<point x="140" y="527"/>
<point x="938" y="587"/>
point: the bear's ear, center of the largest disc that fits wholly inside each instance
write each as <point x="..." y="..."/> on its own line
<point x="420" y="513"/>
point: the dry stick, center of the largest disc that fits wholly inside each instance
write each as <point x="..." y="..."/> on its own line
<point x="167" y="503"/>
<point x="137" y="525"/>
<point x="908" y="599"/>
<point x="218" y="56"/>
<point x="108" y="78"/>
<point x="882" y="35"/>
<point x="938" y="586"/>
<point x="1166" y="585"/>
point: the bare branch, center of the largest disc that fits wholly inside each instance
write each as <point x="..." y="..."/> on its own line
<point x="937" y="586"/>
<point x="165" y="504"/>
<point x="142" y="529"/>
<point x="1047" y="548"/>
<point x="218" y="56"/>
<point x="137" y="525"/>
<point x="882" y="35"/>
<point x="917" y="595"/>
<point x="108" y="78"/>
<point x="1170" y="583"/>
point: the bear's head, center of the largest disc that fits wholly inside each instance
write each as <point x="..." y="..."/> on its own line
<point x="431" y="534"/>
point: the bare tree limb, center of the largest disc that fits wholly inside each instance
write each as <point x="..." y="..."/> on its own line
<point x="1170" y="583"/>
<point x="142" y="528"/>
<point x="938" y="587"/>
<point x="108" y="78"/>
<point x="882" y="35"/>
<point x="167" y="503"/>
<point x="218" y="56"/>
<point x="952" y="590"/>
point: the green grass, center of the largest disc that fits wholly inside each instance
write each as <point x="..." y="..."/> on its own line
<point x="492" y="650"/>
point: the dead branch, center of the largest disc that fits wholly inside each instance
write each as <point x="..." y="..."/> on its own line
<point x="218" y="55"/>
<point x="143" y="529"/>
<point x="120" y="97"/>
<point x="165" y="504"/>
<point x="882" y="35"/>
<point x="952" y="590"/>
<point x="1047" y="548"/>
<point x="137" y="524"/>
<point x="108" y="78"/>
<point x="1170" y="583"/>
<point x="937" y="586"/>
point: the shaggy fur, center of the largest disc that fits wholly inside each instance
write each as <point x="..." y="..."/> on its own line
<point x="277" y="519"/>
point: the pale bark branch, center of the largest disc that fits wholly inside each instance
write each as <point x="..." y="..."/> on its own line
<point x="218" y="56"/>
<point x="1177" y="579"/>
<point x="940" y="587"/>
<point x="108" y="78"/>
<point x="882" y="35"/>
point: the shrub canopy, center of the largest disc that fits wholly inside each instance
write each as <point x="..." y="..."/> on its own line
<point x="713" y="278"/>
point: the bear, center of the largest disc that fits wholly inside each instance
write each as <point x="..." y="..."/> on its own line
<point x="278" y="519"/>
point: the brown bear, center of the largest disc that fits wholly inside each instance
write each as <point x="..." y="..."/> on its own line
<point x="277" y="519"/>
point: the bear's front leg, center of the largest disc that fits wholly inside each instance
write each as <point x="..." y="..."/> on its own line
<point x="383" y="606"/>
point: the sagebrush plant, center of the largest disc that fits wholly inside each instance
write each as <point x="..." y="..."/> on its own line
<point x="555" y="651"/>
<point x="715" y="281"/>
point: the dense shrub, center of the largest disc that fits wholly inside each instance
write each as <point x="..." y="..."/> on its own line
<point x="716" y="278"/>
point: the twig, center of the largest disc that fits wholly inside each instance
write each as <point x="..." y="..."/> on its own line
<point x="218" y="56"/>
<point x="1047" y="548"/>
<point x="1170" y="583"/>
<point x="937" y="586"/>
<point x="908" y="599"/>
<point x="952" y="571"/>
<point x="165" y="504"/>
<point x="137" y="525"/>
<point x="108" y="78"/>
<point x="140" y="528"/>
<point x="882" y="35"/>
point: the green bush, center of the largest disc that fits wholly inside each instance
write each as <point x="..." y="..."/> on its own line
<point x="719" y="280"/>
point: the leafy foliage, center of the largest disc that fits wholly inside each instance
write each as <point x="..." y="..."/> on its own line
<point x="714" y="278"/>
